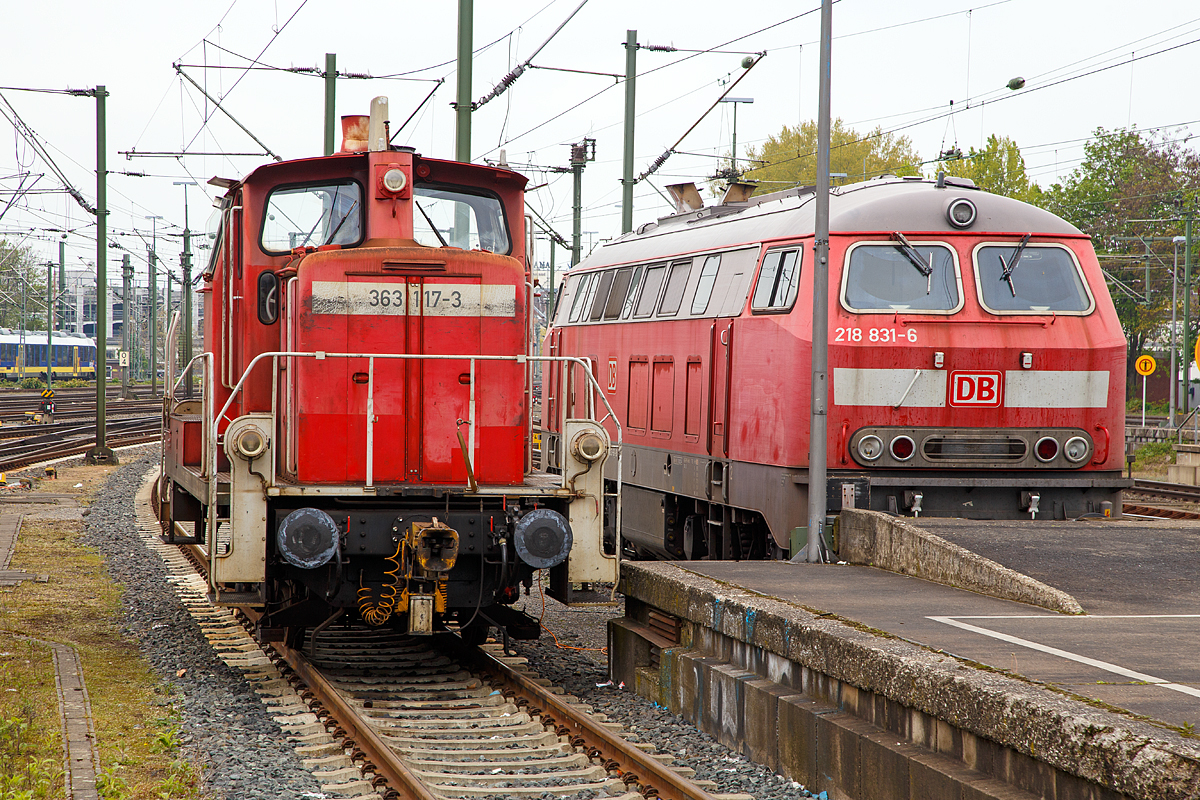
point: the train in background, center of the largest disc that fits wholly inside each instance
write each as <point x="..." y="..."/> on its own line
<point x="976" y="363"/>
<point x="23" y="355"/>
<point x="361" y="448"/>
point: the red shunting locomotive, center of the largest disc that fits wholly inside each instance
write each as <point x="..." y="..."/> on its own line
<point x="361" y="447"/>
<point x="976" y="363"/>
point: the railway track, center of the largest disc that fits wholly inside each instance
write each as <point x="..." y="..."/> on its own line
<point x="374" y="713"/>
<point x="46" y="443"/>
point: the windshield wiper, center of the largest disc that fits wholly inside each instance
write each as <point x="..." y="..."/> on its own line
<point x="904" y="246"/>
<point x="342" y="222"/>
<point x="1006" y="275"/>
<point x="433" y="227"/>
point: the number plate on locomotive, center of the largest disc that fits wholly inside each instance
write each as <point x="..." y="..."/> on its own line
<point x="397" y="299"/>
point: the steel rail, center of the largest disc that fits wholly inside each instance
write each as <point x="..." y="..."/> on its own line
<point x="1160" y="513"/>
<point x="655" y="778"/>
<point x="382" y="760"/>
<point x="1181" y="491"/>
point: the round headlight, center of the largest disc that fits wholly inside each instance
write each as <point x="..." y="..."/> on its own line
<point x="870" y="447"/>
<point x="394" y="180"/>
<point x="961" y="213"/>
<point x="903" y="448"/>
<point x="1046" y="448"/>
<point x="1076" y="449"/>
<point x="588" y="446"/>
<point x="250" y="443"/>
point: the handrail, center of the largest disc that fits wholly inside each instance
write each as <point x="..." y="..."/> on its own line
<point x="1179" y="428"/>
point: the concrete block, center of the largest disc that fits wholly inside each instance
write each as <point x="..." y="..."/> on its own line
<point x="884" y="767"/>
<point x="838" y="737"/>
<point x="798" y="737"/>
<point x="761" y="715"/>
<point x="1023" y="772"/>
<point x="726" y="703"/>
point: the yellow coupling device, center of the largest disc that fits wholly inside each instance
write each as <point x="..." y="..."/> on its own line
<point x="434" y="546"/>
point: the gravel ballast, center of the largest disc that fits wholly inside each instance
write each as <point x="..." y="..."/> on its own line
<point x="243" y="752"/>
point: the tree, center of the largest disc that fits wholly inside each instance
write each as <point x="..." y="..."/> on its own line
<point x="1129" y="175"/>
<point x="22" y="283"/>
<point x="999" y="168"/>
<point x="790" y="158"/>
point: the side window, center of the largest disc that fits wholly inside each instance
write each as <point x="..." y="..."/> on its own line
<point x="708" y="276"/>
<point x="558" y="295"/>
<point x="616" y="295"/>
<point x="676" y="283"/>
<point x="581" y="292"/>
<point x="633" y="289"/>
<point x="604" y="284"/>
<point x="778" y="281"/>
<point x="649" y="296"/>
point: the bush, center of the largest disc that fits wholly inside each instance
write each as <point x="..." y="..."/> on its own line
<point x="1154" y="457"/>
<point x="32" y="383"/>
<point x="74" y="383"/>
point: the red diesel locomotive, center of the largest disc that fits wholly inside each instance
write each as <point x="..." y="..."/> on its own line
<point x="976" y="363"/>
<point x="361" y="448"/>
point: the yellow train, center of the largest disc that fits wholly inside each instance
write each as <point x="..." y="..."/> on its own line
<point x="23" y="355"/>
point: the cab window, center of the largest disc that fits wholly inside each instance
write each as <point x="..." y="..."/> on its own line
<point x="1042" y="279"/>
<point x="450" y="216"/>
<point x="312" y="215"/>
<point x="897" y="276"/>
<point x="778" y="281"/>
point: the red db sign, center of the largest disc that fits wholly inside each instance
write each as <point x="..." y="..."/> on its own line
<point x="976" y="389"/>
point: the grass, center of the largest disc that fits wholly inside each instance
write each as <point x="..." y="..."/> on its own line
<point x="136" y="719"/>
<point x="1154" y="458"/>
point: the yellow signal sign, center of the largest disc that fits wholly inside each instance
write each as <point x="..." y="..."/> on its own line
<point x="1145" y="365"/>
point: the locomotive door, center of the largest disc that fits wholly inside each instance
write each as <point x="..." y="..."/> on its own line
<point x="327" y="399"/>
<point x="721" y="361"/>
<point x="445" y="315"/>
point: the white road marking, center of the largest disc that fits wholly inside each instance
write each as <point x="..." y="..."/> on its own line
<point x="1092" y="662"/>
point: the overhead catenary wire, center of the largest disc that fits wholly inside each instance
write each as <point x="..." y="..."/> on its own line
<point x="509" y="79"/>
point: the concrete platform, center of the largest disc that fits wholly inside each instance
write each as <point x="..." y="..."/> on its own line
<point x="1028" y="697"/>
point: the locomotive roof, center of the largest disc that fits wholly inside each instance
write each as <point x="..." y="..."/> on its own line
<point x="883" y="204"/>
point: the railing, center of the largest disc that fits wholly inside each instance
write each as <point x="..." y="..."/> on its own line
<point x="1195" y="427"/>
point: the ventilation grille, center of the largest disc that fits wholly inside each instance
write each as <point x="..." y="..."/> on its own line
<point x="975" y="448"/>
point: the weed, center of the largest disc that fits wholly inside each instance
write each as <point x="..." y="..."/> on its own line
<point x="23" y="775"/>
<point x="112" y="786"/>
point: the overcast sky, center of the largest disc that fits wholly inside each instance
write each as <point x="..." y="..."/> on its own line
<point x="898" y="65"/>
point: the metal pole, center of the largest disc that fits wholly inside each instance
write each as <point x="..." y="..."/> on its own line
<point x="733" y="161"/>
<point x="153" y="259"/>
<point x="186" y="289"/>
<point x="630" y="110"/>
<point x="462" y="104"/>
<point x="330" y="96"/>
<point x="818" y="424"/>
<point x="101" y="452"/>
<point x="550" y="306"/>
<point x="577" y="230"/>
<point x="1187" y="311"/>
<point x="126" y="319"/>
<point x="49" y="324"/>
<point x="1174" y="333"/>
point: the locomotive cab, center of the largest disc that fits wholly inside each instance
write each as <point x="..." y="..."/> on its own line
<point x="361" y="448"/>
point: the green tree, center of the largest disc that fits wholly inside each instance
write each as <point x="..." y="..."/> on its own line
<point x="22" y="282"/>
<point x="790" y="157"/>
<point x="1129" y="175"/>
<point x="999" y="168"/>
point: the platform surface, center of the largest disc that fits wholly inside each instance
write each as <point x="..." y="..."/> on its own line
<point x="1137" y="648"/>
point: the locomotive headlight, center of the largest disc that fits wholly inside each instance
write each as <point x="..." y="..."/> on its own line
<point x="961" y="213"/>
<point x="1076" y="449"/>
<point x="903" y="448"/>
<point x="394" y="180"/>
<point x="870" y="447"/>
<point x="1046" y="448"/>
<point x="250" y="443"/>
<point x="588" y="446"/>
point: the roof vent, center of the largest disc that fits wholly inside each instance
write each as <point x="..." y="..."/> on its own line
<point x="686" y="197"/>
<point x="738" y="192"/>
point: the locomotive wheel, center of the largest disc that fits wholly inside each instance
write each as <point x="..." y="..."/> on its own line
<point x="475" y="633"/>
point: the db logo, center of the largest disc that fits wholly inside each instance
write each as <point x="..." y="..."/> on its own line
<point x="976" y="389"/>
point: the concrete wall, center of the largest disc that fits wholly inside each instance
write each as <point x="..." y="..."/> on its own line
<point x="881" y="540"/>
<point x="864" y="715"/>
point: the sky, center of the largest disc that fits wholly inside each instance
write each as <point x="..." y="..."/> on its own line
<point x="902" y="66"/>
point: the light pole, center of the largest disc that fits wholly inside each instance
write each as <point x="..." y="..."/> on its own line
<point x="185" y="261"/>
<point x="1178" y="240"/>
<point x="736" y="101"/>
<point x="154" y="304"/>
